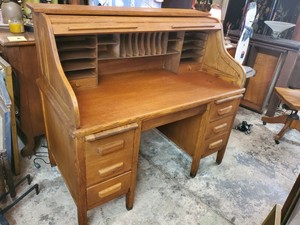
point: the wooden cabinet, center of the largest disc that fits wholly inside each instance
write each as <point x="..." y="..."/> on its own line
<point x="23" y="59"/>
<point x="274" y="61"/>
<point x="109" y="74"/>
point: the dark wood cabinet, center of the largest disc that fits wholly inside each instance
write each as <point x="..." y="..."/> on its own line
<point x="23" y="60"/>
<point x="275" y="62"/>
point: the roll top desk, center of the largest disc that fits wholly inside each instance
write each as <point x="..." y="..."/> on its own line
<point x="108" y="74"/>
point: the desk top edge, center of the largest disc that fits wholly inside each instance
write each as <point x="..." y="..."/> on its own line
<point x="114" y="11"/>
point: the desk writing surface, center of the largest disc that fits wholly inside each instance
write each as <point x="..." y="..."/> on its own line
<point x="141" y="95"/>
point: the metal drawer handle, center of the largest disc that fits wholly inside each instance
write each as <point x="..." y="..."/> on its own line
<point x="220" y="128"/>
<point x="109" y="191"/>
<point x="111" y="169"/>
<point x="225" y="110"/>
<point x="111" y="147"/>
<point x="215" y="144"/>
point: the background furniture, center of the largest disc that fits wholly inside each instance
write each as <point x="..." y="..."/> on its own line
<point x="13" y="151"/>
<point x="7" y="185"/>
<point x="275" y="62"/>
<point x="289" y="212"/>
<point x="289" y="97"/>
<point x="124" y="72"/>
<point x="23" y="60"/>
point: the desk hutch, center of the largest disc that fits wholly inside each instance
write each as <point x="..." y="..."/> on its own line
<point x="108" y="74"/>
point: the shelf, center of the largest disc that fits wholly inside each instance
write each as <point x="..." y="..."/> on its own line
<point x="80" y="74"/>
<point x="78" y="54"/>
<point x="78" y="65"/>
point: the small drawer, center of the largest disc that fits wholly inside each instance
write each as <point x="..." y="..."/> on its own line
<point x="215" y="144"/>
<point x="109" y="145"/>
<point x="108" y="167"/>
<point x="218" y="127"/>
<point x="108" y="190"/>
<point x="108" y="157"/>
<point x="84" y="83"/>
<point x="222" y="108"/>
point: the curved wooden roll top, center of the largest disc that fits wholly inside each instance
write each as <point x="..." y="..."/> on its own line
<point x="77" y="45"/>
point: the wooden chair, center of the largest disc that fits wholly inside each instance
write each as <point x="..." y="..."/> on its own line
<point x="291" y="99"/>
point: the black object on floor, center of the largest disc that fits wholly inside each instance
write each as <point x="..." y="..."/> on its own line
<point x="35" y="187"/>
<point x="244" y="127"/>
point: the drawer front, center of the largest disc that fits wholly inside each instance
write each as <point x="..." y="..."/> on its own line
<point x="108" y="190"/>
<point x="84" y="83"/>
<point x="215" y="144"/>
<point x="109" y="156"/>
<point x="223" y="108"/>
<point x="218" y="127"/>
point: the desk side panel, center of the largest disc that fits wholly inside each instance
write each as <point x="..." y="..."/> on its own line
<point x="62" y="147"/>
<point x="51" y="69"/>
<point x="218" y="62"/>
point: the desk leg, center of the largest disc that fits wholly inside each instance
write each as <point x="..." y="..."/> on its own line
<point x="220" y="155"/>
<point x="194" y="167"/>
<point x="82" y="216"/>
<point x="136" y="148"/>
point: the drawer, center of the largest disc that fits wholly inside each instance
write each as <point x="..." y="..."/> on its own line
<point x="84" y="83"/>
<point x="218" y="127"/>
<point x="224" y="107"/>
<point x="214" y="144"/>
<point x="108" y="190"/>
<point x="109" y="156"/>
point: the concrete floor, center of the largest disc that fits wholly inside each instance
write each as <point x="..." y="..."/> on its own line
<point x="255" y="175"/>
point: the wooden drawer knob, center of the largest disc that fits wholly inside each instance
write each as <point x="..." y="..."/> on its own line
<point x="109" y="191"/>
<point x="111" y="147"/>
<point x="225" y="110"/>
<point x="220" y="128"/>
<point x="215" y="144"/>
<point x="111" y="169"/>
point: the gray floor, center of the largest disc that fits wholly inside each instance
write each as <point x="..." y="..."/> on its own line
<point x="254" y="175"/>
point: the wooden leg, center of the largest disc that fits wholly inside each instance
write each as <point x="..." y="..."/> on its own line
<point x="220" y="155"/>
<point x="129" y="199"/>
<point x="82" y="216"/>
<point x="283" y="130"/>
<point x="28" y="150"/>
<point x="296" y="125"/>
<point x="51" y="159"/>
<point x="194" y="167"/>
<point x="278" y="119"/>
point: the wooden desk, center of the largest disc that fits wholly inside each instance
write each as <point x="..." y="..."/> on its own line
<point x="23" y="60"/>
<point x="126" y="71"/>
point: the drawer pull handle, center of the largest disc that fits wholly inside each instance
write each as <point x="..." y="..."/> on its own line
<point x="111" y="147"/>
<point x="100" y="27"/>
<point x="114" y="131"/>
<point x="192" y="26"/>
<point x="111" y="169"/>
<point x="225" y="110"/>
<point x="220" y="101"/>
<point x="215" y="144"/>
<point x="220" y="128"/>
<point x="109" y="191"/>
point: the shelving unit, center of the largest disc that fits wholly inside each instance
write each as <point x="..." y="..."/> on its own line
<point x="193" y="46"/>
<point x="78" y="56"/>
<point x="81" y="55"/>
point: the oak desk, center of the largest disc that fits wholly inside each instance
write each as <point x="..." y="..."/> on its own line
<point x="110" y="73"/>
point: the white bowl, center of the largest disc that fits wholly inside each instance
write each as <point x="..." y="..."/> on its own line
<point x="278" y="27"/>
